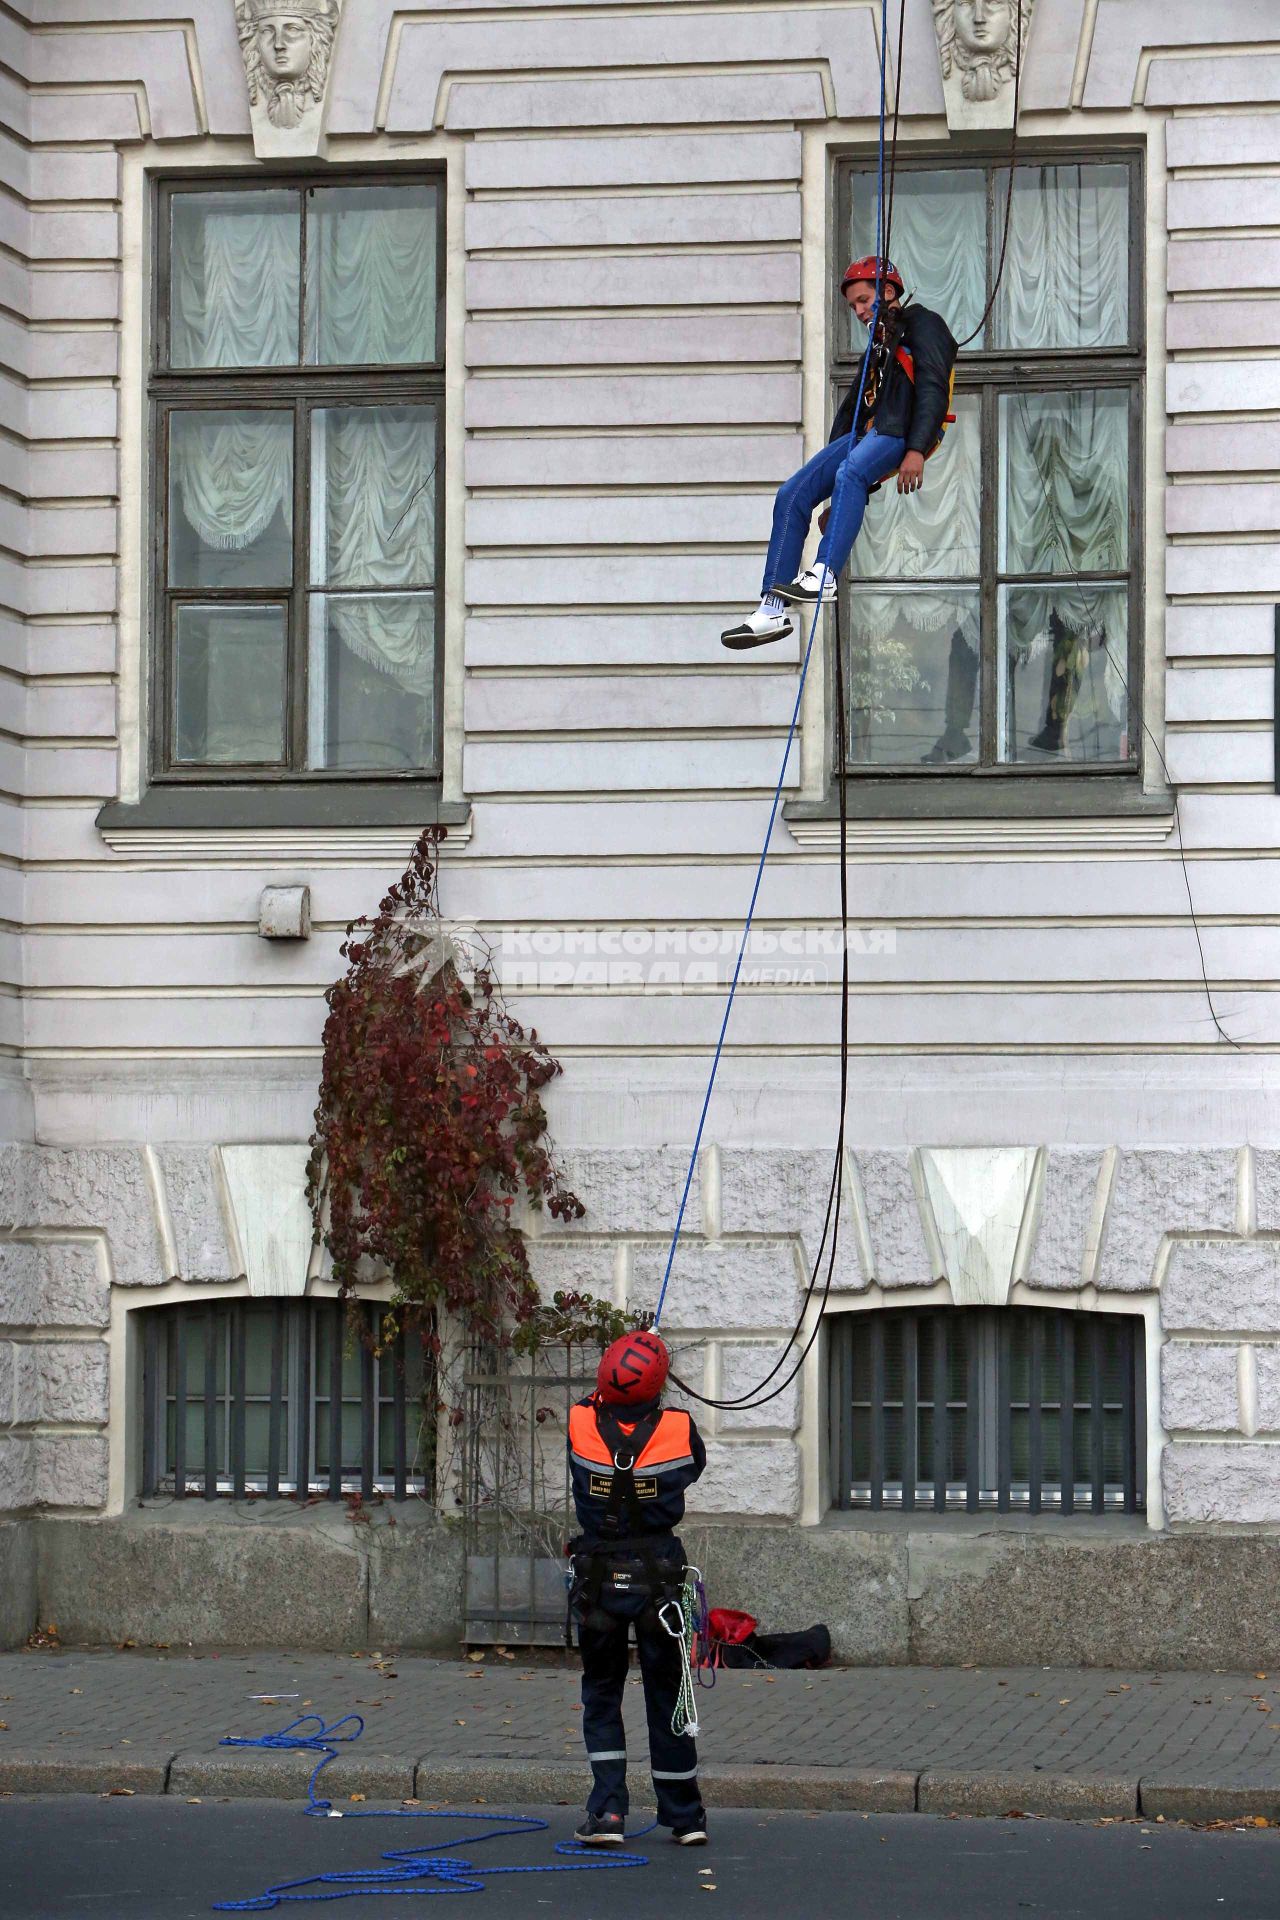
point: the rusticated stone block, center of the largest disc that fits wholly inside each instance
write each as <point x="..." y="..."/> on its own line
<point x="1097" y="1597"/>
<point x="72" y="1380"/>
<point x="742" y="1369"/>
<point x="17" y="1471"/>
<point x="415" y="1575"/>
<point x="1266" y="1188"/>
<point x="632" y="1189"/>
<point x="1198" y="1389"/>
<point x="105" y="1188"/>
<point x="52" y="1284"/>
<point x="1066" y="1208"/>
<point x="1267" y="1361"/>
<point x="195" y="1216"/>
<point x="19" y="1385"/>
<point x="854" y="1581"/>
<point x="17" y="1581"/>
<point x="774" y="1190"/>
<point x="1158" y="1191"/>
<point x="898" y="1245"/>
<point x="206" y="1577"/>
<point x="71" y="1470"/>
<point x="17" y="1185"/>
<point x="1214" y="1482"/>
<point x="1222" y="1286"/>
<point x="756" y="1477"/>
<point x="727" y="1284"/>
<point x="689" y="1360"/>
<point x="582" y="1266"/>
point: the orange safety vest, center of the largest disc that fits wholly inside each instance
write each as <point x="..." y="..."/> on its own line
<point x="668" y="1448"/>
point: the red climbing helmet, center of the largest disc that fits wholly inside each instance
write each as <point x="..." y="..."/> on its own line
<point x="866" y="269"/>
<point x="632" y="1370"/>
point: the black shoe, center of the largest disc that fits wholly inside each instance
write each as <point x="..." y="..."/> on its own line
<point x="690" y="1836"/>
<point x="814" y="584"/>
<point x="602" y="1830"/>
<point x="741" y="637"/>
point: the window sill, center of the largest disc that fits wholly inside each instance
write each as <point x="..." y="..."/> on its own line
<point x="924" y="1520"/>
<point x="374" y="820"/>
<point x="996" y="811"/>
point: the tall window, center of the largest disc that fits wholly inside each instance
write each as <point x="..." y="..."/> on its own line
<point x="296" y="395"/>
<point x="1027" y="1408"/>
<point x="993" y="618"/>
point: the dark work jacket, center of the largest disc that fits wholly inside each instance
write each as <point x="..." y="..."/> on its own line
<point x="671" y="1460"/>
<point x="904" y="410"/>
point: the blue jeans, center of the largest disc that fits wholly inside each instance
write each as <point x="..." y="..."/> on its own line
<point x="844" y="473"/>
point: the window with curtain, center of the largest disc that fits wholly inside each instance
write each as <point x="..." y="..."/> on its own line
<point x="991" y="621"/>
<point x="297" y="393"/>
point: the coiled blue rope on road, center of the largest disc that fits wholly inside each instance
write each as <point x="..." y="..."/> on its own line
<point x="410" y="1870"/>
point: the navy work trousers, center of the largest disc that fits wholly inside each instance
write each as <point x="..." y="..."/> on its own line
<point x="674" y="1762"/>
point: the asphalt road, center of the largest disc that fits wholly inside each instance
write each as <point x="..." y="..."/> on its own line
<point x="146" y="1858"/>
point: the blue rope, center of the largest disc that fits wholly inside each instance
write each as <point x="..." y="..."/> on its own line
<point x="795" y="714"/>
<point x="411" y="1869"/>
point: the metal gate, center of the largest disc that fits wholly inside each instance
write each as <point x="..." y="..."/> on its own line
<point x="516" y="1499"/>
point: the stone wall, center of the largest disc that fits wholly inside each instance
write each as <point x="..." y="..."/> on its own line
<point x="1196" y="1231"/>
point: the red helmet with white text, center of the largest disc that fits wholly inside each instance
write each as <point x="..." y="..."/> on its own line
<point x="866" y="269"/>
<point x="632" y="1370"/>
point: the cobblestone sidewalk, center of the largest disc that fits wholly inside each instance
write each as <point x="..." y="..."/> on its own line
<point x="912" y="1735"/>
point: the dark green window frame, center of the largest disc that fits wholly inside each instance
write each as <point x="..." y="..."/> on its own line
<point x="298" y="391"/>
<point x="986" y="373"/>
<point x="1023" y="1389"/>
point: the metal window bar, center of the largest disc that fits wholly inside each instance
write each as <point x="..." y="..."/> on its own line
<point x="273" y="1344"/>
<point x="1002" y="1428"/>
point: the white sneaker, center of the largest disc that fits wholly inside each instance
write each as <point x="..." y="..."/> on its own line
<point x="815" y="583"/>
<point x="757" y="630"/>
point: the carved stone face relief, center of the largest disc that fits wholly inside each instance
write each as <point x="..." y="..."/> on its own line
<point x="978" y="47"/>
<point x="287" y="46"/>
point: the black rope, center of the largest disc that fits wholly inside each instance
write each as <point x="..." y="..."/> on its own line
<point x="1008" y="198"/>
<point x="755" y="1397"/>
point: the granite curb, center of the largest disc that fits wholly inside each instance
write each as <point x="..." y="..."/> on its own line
<point x="256" y="1774"/>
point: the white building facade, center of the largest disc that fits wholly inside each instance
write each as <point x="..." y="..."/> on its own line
<point x="394" y="405"/>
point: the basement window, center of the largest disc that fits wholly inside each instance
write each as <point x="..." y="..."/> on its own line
<point x="280" y="1398"/>
<point x="1014" y="1409"/>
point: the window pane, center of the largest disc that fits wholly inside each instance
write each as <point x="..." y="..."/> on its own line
<point x="1066" y="270"/>
<point x="372" y="680"/>
<point x="371" y="275"/>
<point x="1063" y="671"/>
<point x="1064" y="488"/>
<point x="231" y="498"/>
<point x="229" y="686"/>
<point x="235" y="275"/>
<point x="373" y="496"/>
<point x="913" y="677"/>
<point x="257" y="1438"/>
<point x="933" y="533"/>
<point x="939" y="241"/>
<point x="257" y="1353"/>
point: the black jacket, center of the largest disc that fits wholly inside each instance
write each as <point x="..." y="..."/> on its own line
<point x="909" y="411"/>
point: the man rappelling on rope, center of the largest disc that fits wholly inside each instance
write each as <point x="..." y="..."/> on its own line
<point x="906" y="393"/>
<point x="631" y="1460"/>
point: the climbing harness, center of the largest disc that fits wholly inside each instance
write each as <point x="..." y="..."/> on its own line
<point x="430" y="1868"/>
<point x="685" y="1620"/>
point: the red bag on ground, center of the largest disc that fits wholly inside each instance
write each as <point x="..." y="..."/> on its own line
<point x="727" y="1624"/>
